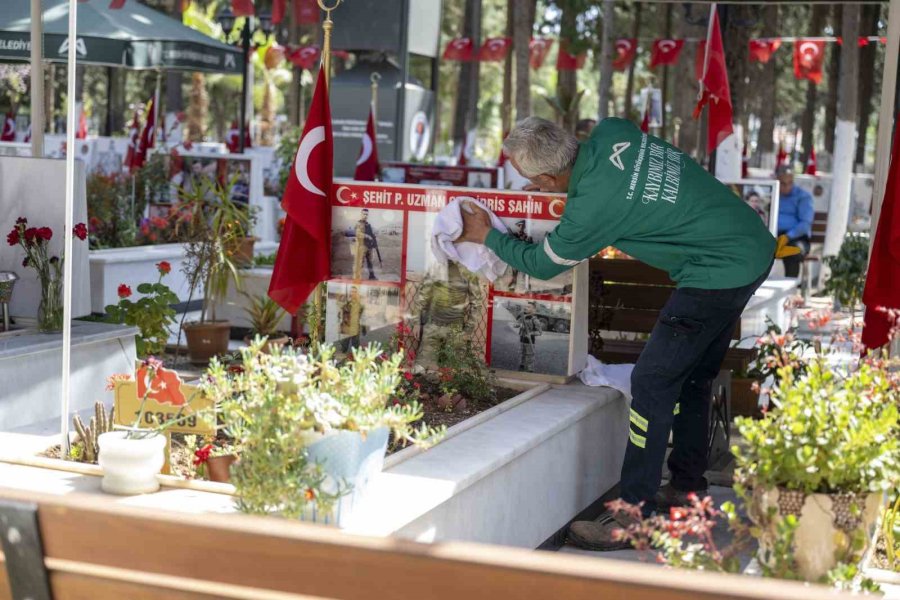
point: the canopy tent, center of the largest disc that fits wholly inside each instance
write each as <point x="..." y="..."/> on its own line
<point x="134" y="36"/>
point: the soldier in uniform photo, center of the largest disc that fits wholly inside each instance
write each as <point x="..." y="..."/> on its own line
<point x="529" y="327"/>
<point x="369" y="241"/>
<point x="518" y="234"/>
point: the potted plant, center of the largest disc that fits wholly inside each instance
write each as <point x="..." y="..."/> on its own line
<point x="35" y="241"/>
<point x="152" y="314"/>
<point x="847" y="271"/>
<point x="814" y="470"/>
<point x="265" y="314"/>
<point x="213" y="460"/>
<point x="215" y="231"/>
<point x="312" y="430"/>
<point x="243" y="254"/>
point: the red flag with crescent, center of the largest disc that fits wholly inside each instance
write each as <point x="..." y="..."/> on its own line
<point x="367" y="167"/>
<point x="762" y="50"/>
<point x="538" y="48"/>
<point x="9" y="128"/>
<point x="461" y="48"/>
<point x="569" y="62"/>
<point x="148" y="136"/>
<point x="494" y="49"/>
<point x="304" y="254"/>
<point x="809" y="56"/>
<point x="305" y="57"/>
<point x="665" y="52"/>
<point x="714" y="90"/>
<point x="626" y="50"/>
<point x="811" y="162"/>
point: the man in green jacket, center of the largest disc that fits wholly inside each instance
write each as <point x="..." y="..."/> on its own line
<point x="648" y="199"/>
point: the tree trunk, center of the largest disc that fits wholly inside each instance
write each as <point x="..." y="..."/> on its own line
<point x="845" y="133"/>
<point x="523" y="25"/>
<point x="629" y="85"/>
<point x="808" y="120"/>
<point x="869" y="26"/>
<point x="466" y="113"/>
<point x="667" y="34"/>
<point x="684" y="90"/>
<point x="606" y="57"/>
<point x="294" y="91"/>
<point x="834" y="65"/>
<point x="567" y="81"/>
<point x="767" y="85"/>
<point x="736" y="37"/>
<point x="198" y="108"/>
<point x="507" y="107"/>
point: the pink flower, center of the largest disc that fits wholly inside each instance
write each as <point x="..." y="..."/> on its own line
<point x="124" y="291"/>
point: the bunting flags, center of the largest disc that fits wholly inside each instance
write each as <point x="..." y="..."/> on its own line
<point x="569" y="62"/>
<point x="626" y="50"/>
<point x="762" y="50"/>
<point x="494" y="49"/>
<point x="304" y="57"/>
<point x="538" y="48"/>
<point x="665" y="52"/>
<point x="809" y="56"/>
<point x="461" y="49"/>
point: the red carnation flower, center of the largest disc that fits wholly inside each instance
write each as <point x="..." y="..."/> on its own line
<point x="202" y="455"/>
<point x="124" y="291"/>
<point x="80" y="231"/>
<point x="21" y="221"/>
<point x="13" y="237"/>
<point x="408" y="376"/>
<point x="31" y="235"/>
<point x="45" y="233"/>
<point x="164" y="267"/>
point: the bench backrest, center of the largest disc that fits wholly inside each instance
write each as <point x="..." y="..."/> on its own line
<point x="820" y="224"/>
<point x="106" y="551"/>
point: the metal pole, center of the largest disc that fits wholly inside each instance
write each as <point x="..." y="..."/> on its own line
<point x="245" y="44"/>
<point x="67" y="231"/>
<point x="37" y="79"/>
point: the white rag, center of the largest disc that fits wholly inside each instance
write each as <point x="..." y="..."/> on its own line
<point x="597" y="374"/>
<point x="448" y="226"/>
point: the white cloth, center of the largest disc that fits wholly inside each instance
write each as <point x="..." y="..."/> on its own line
<point x="477" y="258"/>
<point x="597" y="374"/>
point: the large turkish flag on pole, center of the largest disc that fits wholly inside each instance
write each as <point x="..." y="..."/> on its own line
<point x="714" y="90"/>
<point x="304" y="254"/>
<point x="367" y="167"/>
<point x="882" y="291"/>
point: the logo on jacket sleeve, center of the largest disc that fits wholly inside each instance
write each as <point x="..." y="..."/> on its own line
<point x="615" y="157"/>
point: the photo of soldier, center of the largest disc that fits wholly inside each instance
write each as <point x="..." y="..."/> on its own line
<point x="520" y="234"/>
<point x="366" y="244"/>
<point x="530" y="336"/>
<point x="359" y="314"/>
<point x="365" y="232"/>
<point x="532" y="230"/>
<point x="529" y="329"/>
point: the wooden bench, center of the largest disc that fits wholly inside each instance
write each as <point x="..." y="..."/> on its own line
<point x="88" y="548"/>
<point x="816" y="240"/>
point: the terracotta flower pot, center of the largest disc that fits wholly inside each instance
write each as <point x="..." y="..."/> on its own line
<point x="243" y="255"/>
<point x="205" y="340"/>
<point x="218" y="468"/>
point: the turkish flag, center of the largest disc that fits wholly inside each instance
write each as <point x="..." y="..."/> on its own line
<point x="781" y="158"/>
<point x="304" y="254"/>
<point x="714" y="87"/>
<point x="134" y="133"/>
<point x="82" y="132"/>
<point x="538" y="48"/>
<point x="148" y="136"/>
<point x="811" y="162"/>
<point x="367" y="167"/>
<point x="459" y="49"/>
<point x="278" y="10"/>
<point x="305" y="57"/>
<point x="569" y="62"/>
<point x="494" y="49"/>
<point x="665" y="52"/>
<point x="809" y="56"/>
<point x="9" y="128"/>
<point x="233" y="139"/>
<point x="242" y="8"/>
<point x="762" y="50"/>
<point x="626" y="50"/>
<point x="305" y="12"/>
<point x="881" y="291"/>
<point x="116" y="4"/>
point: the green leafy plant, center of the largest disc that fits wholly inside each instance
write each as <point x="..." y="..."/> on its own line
<point x="848" y="270"/>
<point x="264" y="260"/>
<point x="776" y="349"/>
<point x="275" y="404"/>
<point x="152" y="313"/>
<point x="284" y="153"/>
<point x="461" y="366"/>
<point x="87" y="449"/>
<point x="265" y="314"/>
<point x="890" y="531"/>
<point x="111" y="218"/>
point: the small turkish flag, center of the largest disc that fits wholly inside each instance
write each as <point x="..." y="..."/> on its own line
<point x="569" y="62"/>
<point x="626" y="50"/>
<point x="762" y="50"/>
<point x="809" y="55"/>
<point x="9" y="128"/>
<point x="714" y="87"/>
<point x="233" y="139"/>
<point x="82" y="131"/>
<point x="811" y="161"/>
<point x="494" y="49"/>
<point x="304" y="254"/>
<point x="305" y="57"/>
<point x="665" y="52"/>
<point x="278" y="10"/>
<point x="881" y="291"/>
<point x="305" y="12"/>
<point x="367" y="167"/>
<point x="242" y="8"/>
<point x="538" y="48"/>
<point x="459" y="49"/>
<point x="148" y="136"/>
<point x="134" y="133"/>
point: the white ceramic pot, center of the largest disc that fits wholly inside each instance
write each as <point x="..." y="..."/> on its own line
<point x="827" y="527"/>
<point x="130" y="466"/>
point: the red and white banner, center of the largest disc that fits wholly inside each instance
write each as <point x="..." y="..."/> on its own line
<point x="626" y="50"/>
<point x="665" y="52"/>
<point x="367" y="168"/>
<point x="809" y="56"/>
<point x="762" y="50"/>
<point x="538" y="48"/>
<point x="494" y="49"/>
<point x="459" y="49"/>
<point x="569" y="62"/>
<point x="305" y="57"/>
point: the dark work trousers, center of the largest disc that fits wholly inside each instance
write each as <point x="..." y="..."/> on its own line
<point x="792" y="263"/>
<point x="671" y="386"/>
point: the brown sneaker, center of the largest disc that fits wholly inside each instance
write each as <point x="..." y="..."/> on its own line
<point x="599" y="535"/>
<point x="668" y="496"/>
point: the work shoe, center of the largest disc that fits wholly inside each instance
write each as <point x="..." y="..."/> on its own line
<point x="600" y="534"/>
<point x="667" y="497"/>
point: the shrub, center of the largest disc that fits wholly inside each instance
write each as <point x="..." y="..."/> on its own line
<point x="152" y="314"/>
<point x="848" y="270"/>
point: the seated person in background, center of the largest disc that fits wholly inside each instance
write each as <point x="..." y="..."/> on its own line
<point x="795" y="217"/>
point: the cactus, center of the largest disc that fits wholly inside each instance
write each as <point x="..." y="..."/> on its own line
<point x="100" y="423"/>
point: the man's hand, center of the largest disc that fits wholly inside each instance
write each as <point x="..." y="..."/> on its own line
<point x="476" y="223"/>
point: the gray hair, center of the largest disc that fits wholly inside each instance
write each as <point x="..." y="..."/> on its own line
<point x="541" y="147"/>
